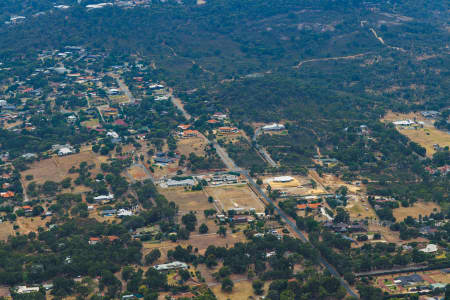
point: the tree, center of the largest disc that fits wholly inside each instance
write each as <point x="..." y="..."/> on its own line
<point x="227" y="285"/>
<point x="203" y="228"/>
<point x="153" y="256"/>
<point x="258" y="287"/>
<point x="222" y="231"/>
<point x="342" y="216"/>
<point x="190" y="221"/>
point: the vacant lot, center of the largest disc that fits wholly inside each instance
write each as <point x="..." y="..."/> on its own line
<point x="426" y="136"/>
<point x="235" y="196"/>
<point x="199" y="241"/>
<point x="138" y="173"/>
<point x="6" y="229"/>
<point x="419" y="208"/>
<point x="57" y="168"/>
<point x="91" y="123"/>
<point x="359" y="208"/>
<point x="191" y="145"/>
<point x="118" y="98"/>
<point x="187" y="200"/>
<point x="242" y="290"/>
<point x="27" y="224"/>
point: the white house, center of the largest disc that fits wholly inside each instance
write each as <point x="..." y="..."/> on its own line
<point x="64" y="151"/>
<point x="23" y="289"/>
<point x="403" y="123"/>
<point x="124" y="213"/>
<point x="430" y="248"/>
<point x="112" y="134"/>
<point x="104" y="197"/>
<point x="273" y="127"/>
<point x="171" y="266"/>
<point x="185" y="182"/>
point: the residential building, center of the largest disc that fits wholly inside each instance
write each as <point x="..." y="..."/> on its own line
<point x="273" y="127"/>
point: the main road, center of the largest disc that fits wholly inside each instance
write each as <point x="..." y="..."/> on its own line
<point x="231" y="165"/>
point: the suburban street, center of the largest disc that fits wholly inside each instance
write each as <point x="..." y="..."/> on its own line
<point x="263" y="150"/>
<point x="124" y="89"/>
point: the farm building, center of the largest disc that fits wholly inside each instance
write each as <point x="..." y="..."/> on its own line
<point x="176" y="265"/>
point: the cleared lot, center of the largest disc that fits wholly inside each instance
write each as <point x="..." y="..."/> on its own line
<point x="235" y="196"/>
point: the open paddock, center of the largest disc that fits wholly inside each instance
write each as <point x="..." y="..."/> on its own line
<point x="419" y="208"/>
<point x="359" y="208"/>
<point x="57" y="168"/>
<point x="235" y="196"/>
<point x="187" y="200"/>
<point x="196" y="240"/>
<point x="138" y="173"/>
<point x="6" y="229"/>
<point x="426" y="136"/>
<point x="191" y="145"/>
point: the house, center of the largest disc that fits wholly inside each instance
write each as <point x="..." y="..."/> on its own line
<point x="23" y="289"/>
<point x="190" y="133"/>
<point x="228" y="130"/>
<point x="120" y="122"/>
<point x="404" y="123"/>
<point x="240" y="219"/>
<point x="430" y="248"/>
<point x="184" y="126"/>
<point x="162" y="160"/>
<point x="124" y="213"/>
<point x="430" y="114"/>
<point x="408" y="280"/>
<point x="8" y="194"/>
<point x="104" y="197"/>
<point x="219" y="116"/>
<point x="176" y="265"/>
<point x="112" y="238"/>
<point x="94" y="240"/>
<point x="64" y="151"/>
<point x="112" y="134"/>
<point x="185" y="182"/>
<point x="28" y="210"/>
<point x="29" y="155"/>
<point x="273" y="127"/>
<point x="212" y="121"/>
<point x="71" y="119"/>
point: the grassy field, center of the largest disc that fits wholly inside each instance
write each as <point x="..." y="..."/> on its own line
<point x="234" y="196"/>
<point x="426" y="136"/>
<point x="359" y="209"/>
<point x="419" y="208"/>
<point x="187" y="200"/>
<point x="57" y="168"/>
<point x="138" y="173"/>
<point x="191" y="145"/>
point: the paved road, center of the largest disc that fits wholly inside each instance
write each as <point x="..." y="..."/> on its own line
<point x="263" y="150"/>
<point x="293" y="226"/>
<point x="177" y="102"/>
<point x="229" y="163"/>
<point x="124" y="89"/>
